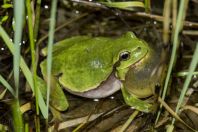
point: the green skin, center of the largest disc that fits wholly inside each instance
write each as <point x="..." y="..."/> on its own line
<point x="82" y="63"/>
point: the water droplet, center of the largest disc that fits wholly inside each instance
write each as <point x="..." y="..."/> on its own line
<point x="117" y="14"/>
<point x="46" y="6"/>
<point x="112" y="97"/>
<point x="132" y="108"/>
<point x="77" y="12"/>
<point x="2" y="48"/>
<point x="96" y="100"/>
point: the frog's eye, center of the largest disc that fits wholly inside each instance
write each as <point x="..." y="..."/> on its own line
<point x="124" y="55"/>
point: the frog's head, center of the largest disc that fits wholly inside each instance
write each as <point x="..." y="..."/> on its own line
<point x="132" y="50"/>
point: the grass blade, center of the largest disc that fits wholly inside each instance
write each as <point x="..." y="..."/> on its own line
<point x="178" y="28"/>
<point x="33" y="55"/>
<point x="7" y="85"/>
<point x="18" y="15"/>
<point x="131" y="5"/>
<point x="166" y="21"/>
<point x="192" y="68"/>
<point x="50" y="46"/>
<point x="37" y="18"/>
<point x="147" y="6"/>
<point x="17" y="118"/>
<point x="26" y="71"/>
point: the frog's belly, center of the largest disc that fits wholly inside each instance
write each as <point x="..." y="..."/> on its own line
<point x="106" y="88"/>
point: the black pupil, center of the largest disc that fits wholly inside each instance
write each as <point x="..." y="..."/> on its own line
<point x="124" y="56"/>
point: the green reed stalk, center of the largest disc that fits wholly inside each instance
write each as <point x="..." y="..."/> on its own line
<point x="50" y="46"/>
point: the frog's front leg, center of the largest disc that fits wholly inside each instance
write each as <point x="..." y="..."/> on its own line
<point x="57" y="96"/>
<point x="136" y="103"/>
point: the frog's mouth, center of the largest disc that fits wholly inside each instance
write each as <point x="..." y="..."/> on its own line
<point x="140" y="61"/>
<point x="105" y="89"/>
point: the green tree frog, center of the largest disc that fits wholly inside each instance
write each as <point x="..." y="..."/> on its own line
<point x="96" y="67"/>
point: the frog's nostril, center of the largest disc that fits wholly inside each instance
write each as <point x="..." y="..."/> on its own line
<point x="139" y="49"/>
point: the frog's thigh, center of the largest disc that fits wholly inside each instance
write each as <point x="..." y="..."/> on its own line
<point x="134" y="102"/>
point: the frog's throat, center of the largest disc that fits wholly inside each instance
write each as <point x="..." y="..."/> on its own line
<point x="105" y="89"/>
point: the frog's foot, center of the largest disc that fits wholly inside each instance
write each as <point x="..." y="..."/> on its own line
<point x="106" y="88"/>
<point x="136" y="103"/>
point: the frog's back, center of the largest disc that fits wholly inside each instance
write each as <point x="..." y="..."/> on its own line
<point x="86" y="64"/>
<point x="65" y="44"/>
